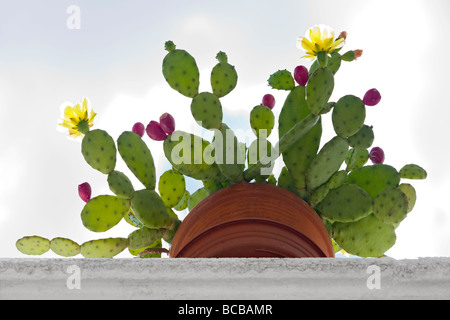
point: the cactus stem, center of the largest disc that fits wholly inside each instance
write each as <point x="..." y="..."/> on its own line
<point x="153" y="251"/>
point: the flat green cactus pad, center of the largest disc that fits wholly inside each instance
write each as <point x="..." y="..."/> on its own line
<point x="171" y="187"/>
<point x="196" y="197"/>
<point x="362" y="139"/>
<point x="412" y="171"/>
<point x="327" y="162"/>
<point x="319" y="89"/>
<point x="144" y="237"/>
<point x="207" y="110"/>
<point x="346" y="203"/>
<point x="33" y="245"/>
<point x="262" y="118"/>
<point x="149" y="208"/>
<point x="99" y="150"/>
<point x="356" y="158"/>
<point x="348" y="116"/>
<point x="374" y="178"/>
<point x="138" y="158"/>
<point x="367" y="237"/>
<point x="410" y="194"/>
<point x="65" y="247"/>
<point x="281" y="80"/>
<point x="223" y="78"/>
<point x="391" y="205"/>
<point x="104" y="212"/>
<point x="120" y="184"/>
<point x="103" y="248"/>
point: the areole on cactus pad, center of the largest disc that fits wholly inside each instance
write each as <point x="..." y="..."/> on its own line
<point x="244" y="207"/>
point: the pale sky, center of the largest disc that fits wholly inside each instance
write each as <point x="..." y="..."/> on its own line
<point x="115" y="60"/>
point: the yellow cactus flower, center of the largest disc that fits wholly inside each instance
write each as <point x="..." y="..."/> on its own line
<point x="78" y="119"/>
<point x="319" y="38"/>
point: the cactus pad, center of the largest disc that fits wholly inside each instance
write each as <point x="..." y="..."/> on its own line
<point x="99" y="150"/>
<point x="319" y="89"/>
<point x="356" y="158"/>
<point x="374" y="178"/>
<point x="65" y="247"/>
<point x="149" y="208"/>
<point x="171" y="187"/>
<point x="410" y="194"/>
<point x="223" y="76"/>
<point x="144" y="237"/>
<point x="282" y="80"/>
<point x="390" y="205"/>
<point x="33" y="245"/>
<point x="191" y="155"/>
<point x="367" y="237"/>
<point x="197" y="197"/>
<point x="327" y="162"/>
<point x="412" y="171"/>
<point x="346" y="204"/>
<point x="120" y="184"/>
<point x="104" y="212"/>
<point x="348" y="116"/>
<point x="207" y="110"/>
<point x="138" y="158"/>
<point x="181" y="72"/>
<point x="262" y="118"/>
<point x="103" y="248"/>
<point x="362" y="139"/>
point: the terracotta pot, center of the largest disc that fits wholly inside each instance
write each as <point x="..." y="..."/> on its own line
<point x="252" y="220"/>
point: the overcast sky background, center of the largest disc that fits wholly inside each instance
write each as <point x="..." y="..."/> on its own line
<point x="115" y="59"/>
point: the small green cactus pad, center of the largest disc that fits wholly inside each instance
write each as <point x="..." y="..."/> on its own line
<point x="282" y="80"/>
<point x="149" y="208"/>
<point x="337" y="179"/>
<point x="410" y="194"/>
<point x="367" y="237"/>
<point x="347" y="203"/>
<point x="169" y="234"/>
<point x="171" y="187"/>
<point x="181" y="72"/>
<point x="223" y="76"/>
<point x="33" y="245"/>
<point x="155" y="245"/>
<point x="319" y="89"/>
<point x="374" y="178"/>
<point x="390" y="205"/>
<point x="318" y="195"/>
<point x="192" y="156"/>
<point x="103" y="248"/>
<point x="412" y="171"/>
<point x="356" y="159"/>
<point x="348" y="116"/>
<point x="207" y="110"/>
<point x="363" y="139"/>
<point x="286" y="181"/>
<point x="99" y="150"/>
<point x="104" y="212"/>
<point x="144" y="237"/>
<point x="183" y="204"/>
<point x="138" y="158"/>
<point x="327" y="162"/>
<point x="228" y="154"/>
<point x="298" y="157"/>
<point x="262" y="118"/>
<point x="65" y="247"/>
<point x="197" y="197"/>
<point x="120" y="184"/>
<point x="334" y="63"/>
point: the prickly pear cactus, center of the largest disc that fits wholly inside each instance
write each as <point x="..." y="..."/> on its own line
<point x="360" y="204"/>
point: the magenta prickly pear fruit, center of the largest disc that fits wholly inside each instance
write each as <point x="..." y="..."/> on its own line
<point x="376" y="155"/>
<point x="139" y="129"/>
<point x="155" y="131"/>
<point x="372" y="97"/>
<point x="301" y="75"/>
<point x="85" y="191"/>
<point x="268" y="100"/>
<point x="167" y="123"/>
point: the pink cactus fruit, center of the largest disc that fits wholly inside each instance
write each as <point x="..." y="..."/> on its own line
<point x="376" y="155"/>
<point x="301" y="75"/>
<point x="268" y="100"/>
<point x="372" y="97"/>
<point x="155" y="131"/>
<point x="139" y="129"/>
<point x="167" y="123"/>
<point x="84" y="191"/>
